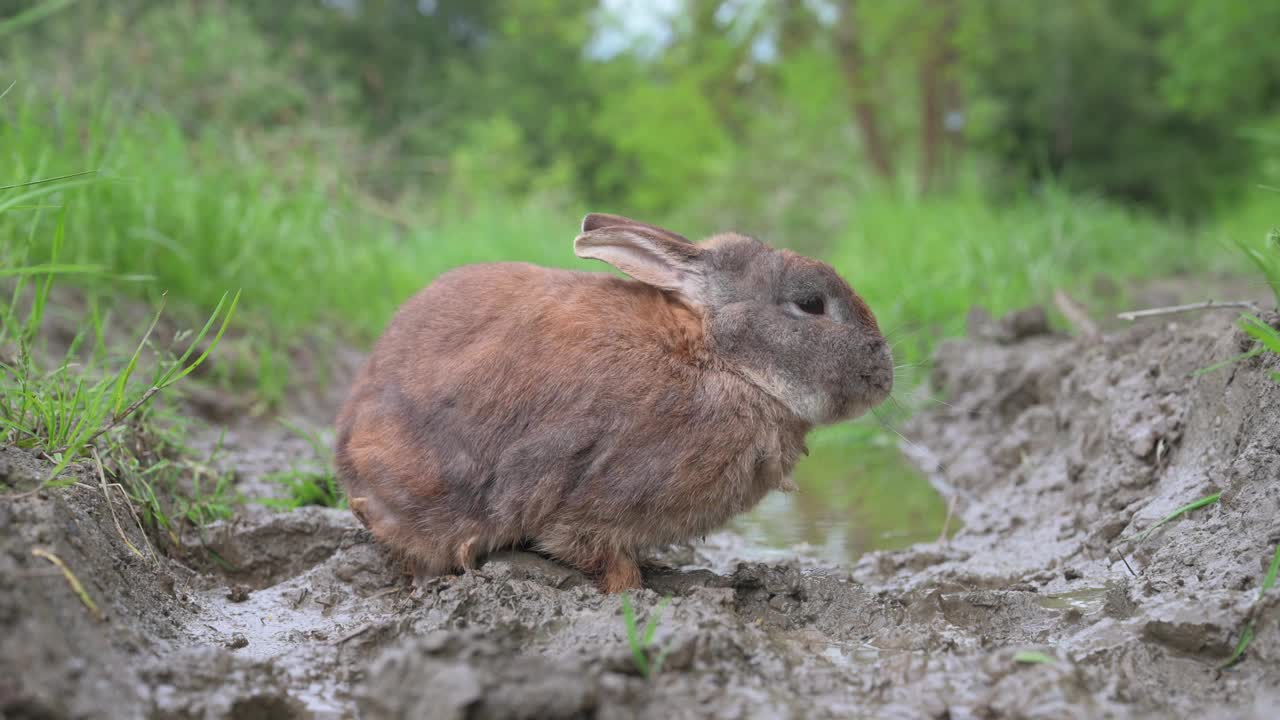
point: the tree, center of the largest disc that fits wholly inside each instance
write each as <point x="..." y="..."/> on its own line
<point x="853" y="64"/>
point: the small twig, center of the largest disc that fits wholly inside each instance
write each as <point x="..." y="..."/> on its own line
<point x="388" y="591"/>
<point x="74" y="582"/>
<point x="1125" y="560"/>
<point x="102" y="479"/>
<point x="1076" y="315"/>
<point x="354" y="634"/>
<point x="946" y="522"/>
<point x="1174" y="309"/>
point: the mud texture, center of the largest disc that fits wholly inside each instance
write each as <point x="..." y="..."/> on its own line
<point x="1057" y="451"/>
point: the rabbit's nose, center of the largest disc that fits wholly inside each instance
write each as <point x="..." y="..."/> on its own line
<point x="880" y="375"/>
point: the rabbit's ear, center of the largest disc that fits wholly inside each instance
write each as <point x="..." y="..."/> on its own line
<point x="596" y="221"/>
<point x="648" y="254"/>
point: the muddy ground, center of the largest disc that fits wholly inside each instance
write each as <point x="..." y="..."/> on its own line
<point x="1057" y="450"/>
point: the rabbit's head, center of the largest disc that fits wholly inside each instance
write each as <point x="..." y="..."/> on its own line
<point x="787" y="323"/>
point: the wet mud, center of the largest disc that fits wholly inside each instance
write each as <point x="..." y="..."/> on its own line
<point x="1057" y="452"/>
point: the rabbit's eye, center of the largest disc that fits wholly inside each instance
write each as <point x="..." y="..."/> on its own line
<point x="813" y="305"/>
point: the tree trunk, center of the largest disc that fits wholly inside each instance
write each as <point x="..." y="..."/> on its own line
<point x="853" y="67"/>
<point x="937" y="93"/>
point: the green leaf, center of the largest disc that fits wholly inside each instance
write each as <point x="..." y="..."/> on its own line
<point x="1034" y="657"/>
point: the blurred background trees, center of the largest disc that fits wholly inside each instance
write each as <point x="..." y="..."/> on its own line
<point x="767" y="110"/>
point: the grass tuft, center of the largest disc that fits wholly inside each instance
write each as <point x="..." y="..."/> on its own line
<point x="1265" y="258"/>
<point x="309" y="487"/>
<point x="1246" y="637"/>
<point x="62" y="412"/>
<point x="1268" y="340"/>
<point x="641" y="643"/>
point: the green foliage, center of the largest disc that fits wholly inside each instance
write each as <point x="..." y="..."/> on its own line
<point x="641" y="642"/>
<point x="1222" y="57"/>
<point x="308" y="486"/>
<point x="1266" y="259"/>
<point x="170" y="484"/>
<point x="61" y="411"/>
<point x="1139" y="101"/>
<point x="1268" y="337"/>
<point x="1074" y="91"/>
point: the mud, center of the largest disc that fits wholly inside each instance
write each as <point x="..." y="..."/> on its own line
<point x="1057" y="452"/>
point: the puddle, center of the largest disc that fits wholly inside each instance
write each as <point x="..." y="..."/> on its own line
<point x="1086" y="600"/>
<point x="854" y="497"/>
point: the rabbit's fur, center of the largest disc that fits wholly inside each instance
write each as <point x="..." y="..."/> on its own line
<point x="593" y="416"/>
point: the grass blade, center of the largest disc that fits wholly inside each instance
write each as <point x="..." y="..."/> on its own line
<point x="52" y="268"/>
<point x="32" y="15"/>
<point x="182" y="371"/>
<point x="1262" y="332"/>
<point x="43" y="181"/>
<point x="637" y="650"/>
<point x="117" y="397"/>
<point x="1246" y="637"/>
<point x="1194" y="505"/>
<point x="655" y="617"/>
<point x="72" y="580"/>
<point x="1218" y="366"/>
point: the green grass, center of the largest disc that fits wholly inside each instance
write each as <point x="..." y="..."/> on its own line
<point x="93" y="396"/>
<point x="61" y="411"/>
<point x="1267" y="337"/>
<point x="199" y="216"/>
<point x="1034" y="657"/>
<point x="641" y="641"/>
<point x="1246" y="637"/>
<point x="309" y="487"/>
<point x="1193" y="505"/>
<point x="921" y="264"/>
<point x="319" y="261"/>
<point x="1265" y="258"/>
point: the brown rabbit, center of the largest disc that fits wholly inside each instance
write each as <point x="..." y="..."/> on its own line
<point x="594" y="416"/>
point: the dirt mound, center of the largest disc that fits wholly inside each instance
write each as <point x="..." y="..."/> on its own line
<point x="1057" y="450"/>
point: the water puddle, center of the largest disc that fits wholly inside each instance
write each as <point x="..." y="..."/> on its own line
<point x="855" y="496"/>
<point x="1086" y="600"/>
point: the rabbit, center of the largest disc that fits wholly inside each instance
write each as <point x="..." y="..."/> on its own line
<point x="592" y="416"/>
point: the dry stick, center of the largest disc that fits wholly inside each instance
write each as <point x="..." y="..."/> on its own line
<point x="72" y="580"/>
<point x="1174" y="309"/>
<point x="102" y="480"/>
<point x="102" y="483"/>
<point x="1125" y="560"/>
<point x="1076" y="315"/>
<point x="354" y="634"/>
<point x="946" y="523"/>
